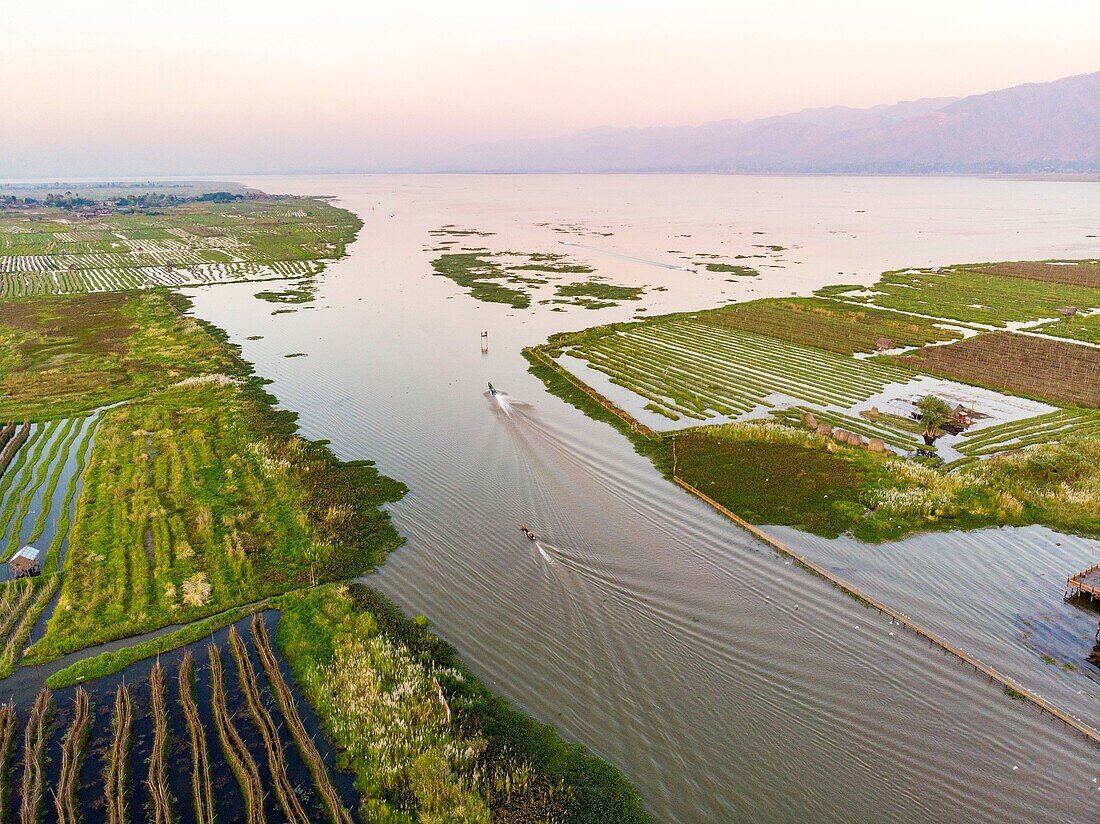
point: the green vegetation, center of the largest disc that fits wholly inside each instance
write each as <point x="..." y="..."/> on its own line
<point x="828" y="324"/>
<point x="30" y="596"/>
<point x="108" y="663"/>
<point x="770" y="473"/>
<point x="475" y="272"/>
<point x="698" y="370"/>
<point x="495" y="277"/>
<point x="1076" y="327"/>
<point x="222" y="506"/>
<point x="206" y="240"/>
<point x="794" y="356"/>
<point x="974" y="295"/>
<point x="934" y="413"/>
<point x="452" y="750"/>
<point x="64" y="355"/>
<point x="731" y="268"/>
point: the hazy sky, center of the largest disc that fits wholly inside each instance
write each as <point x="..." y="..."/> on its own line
<point x="119" y="87"/>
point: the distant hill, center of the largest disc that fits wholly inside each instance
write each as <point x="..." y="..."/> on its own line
<point x="1037" y="127"/>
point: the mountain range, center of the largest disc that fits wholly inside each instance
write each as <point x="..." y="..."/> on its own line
<point x="1036" y="127"/>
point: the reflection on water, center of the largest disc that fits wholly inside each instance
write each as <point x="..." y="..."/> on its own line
<point x="726" y="684"/>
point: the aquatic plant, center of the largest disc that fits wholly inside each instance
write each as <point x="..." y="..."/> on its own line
<point x="72" y="752"/>
<point x="284" y="788"/>
<point x="202" y="785"/>
<point x="337" y="813"/>
<point x="115" y="779"/>
<point x="7" y="750"/>
<point x="35" y="738"/>
<point x="236" y="753"/>
<point x="157" y="781"/>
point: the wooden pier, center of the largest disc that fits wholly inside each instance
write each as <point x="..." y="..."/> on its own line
<point x="1085" y="583"/>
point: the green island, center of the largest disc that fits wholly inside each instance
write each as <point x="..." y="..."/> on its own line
<point x="182" y="515"/>
<point x="512" y="278"/>
<point x="936" y="399"/>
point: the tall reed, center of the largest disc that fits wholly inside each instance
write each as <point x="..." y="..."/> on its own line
<point x="236" y="754"/>
<point x="337" y="813"/>
<point x="115" y="788"/>
<point x="202" y="785"/>
<point x="72" y="753"/>
<point x="34" y="759"/>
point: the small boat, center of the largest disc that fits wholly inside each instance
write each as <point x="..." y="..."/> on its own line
<point x="492" y="391"/>
<point x="526" y="530"/>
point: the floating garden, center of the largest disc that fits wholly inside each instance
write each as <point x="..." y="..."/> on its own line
<point x="50" y="251"/>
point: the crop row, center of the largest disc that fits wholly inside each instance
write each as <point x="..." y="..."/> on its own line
<point x="698" y="370"/>
<point x="1054" y="426"/>
<point x="37" y="494"/>
<point x="978" y="296"/>
<point x="896" y="437"/>
<point x="119" y="277"/>
<point x="116" y="751"/>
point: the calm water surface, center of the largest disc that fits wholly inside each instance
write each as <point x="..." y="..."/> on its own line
<point x="726" y="684"/>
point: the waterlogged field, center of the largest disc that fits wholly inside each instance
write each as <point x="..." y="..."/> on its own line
<point x="53" y="252"/>
<point x="38" y="492"/>
<point x="695" y="370"/>
<point x="810" y="363"/>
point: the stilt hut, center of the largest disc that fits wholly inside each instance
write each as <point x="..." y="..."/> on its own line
<point x="24" y="563"/>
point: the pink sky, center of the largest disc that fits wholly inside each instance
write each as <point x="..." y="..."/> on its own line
<point x="235" y="86"/>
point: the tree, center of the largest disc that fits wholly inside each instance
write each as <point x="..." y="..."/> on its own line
<point x="934" y="413"/>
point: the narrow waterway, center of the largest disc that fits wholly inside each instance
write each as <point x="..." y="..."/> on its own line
<point x="725" y="683"/>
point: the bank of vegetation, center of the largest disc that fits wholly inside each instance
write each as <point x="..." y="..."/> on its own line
<point x="423" y="736"/>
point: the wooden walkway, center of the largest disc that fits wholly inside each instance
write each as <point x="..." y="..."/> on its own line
<point x="1086" y="583"/>
<point x="1012" y="687"/>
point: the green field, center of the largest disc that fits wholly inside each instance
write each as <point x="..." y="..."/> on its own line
<point x="972" y="295"/>
<point x="827" y="324"/>
<point x="1076" y="327"/>
<point x="222" y="507"/>
<point x="51" y="251"/>
<point x="685" y="368"/>
<point x="64" y="355"/>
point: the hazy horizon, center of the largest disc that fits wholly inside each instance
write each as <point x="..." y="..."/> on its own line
<point x="259" y="88"/>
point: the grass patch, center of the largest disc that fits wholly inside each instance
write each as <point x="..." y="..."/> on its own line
<point x="62" y="355"/>
<point x="827" y="324"/>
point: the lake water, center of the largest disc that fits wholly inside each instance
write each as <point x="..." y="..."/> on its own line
<point x="726" y="684"/>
